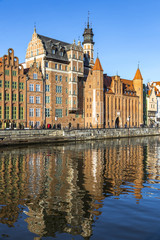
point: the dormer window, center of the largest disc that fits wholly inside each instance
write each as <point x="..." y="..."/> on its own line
<point x="61" y="54"/>
<point x="53" y="51"/>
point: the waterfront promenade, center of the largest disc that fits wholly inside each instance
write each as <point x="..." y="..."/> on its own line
<point x="26" y="136"/>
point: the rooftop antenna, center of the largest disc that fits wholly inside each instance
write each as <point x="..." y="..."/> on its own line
<point x="138" y="64"/>
<point x="117" y="72"/>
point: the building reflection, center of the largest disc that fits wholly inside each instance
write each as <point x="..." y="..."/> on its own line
<point x="62" y="188"/>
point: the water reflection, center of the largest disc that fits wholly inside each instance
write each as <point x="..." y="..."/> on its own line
<point x="61" y="189"/>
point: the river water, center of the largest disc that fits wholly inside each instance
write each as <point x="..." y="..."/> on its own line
<point x="93" y="190"/>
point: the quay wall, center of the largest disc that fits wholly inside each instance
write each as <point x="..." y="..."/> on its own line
<point x="15" y="137"/>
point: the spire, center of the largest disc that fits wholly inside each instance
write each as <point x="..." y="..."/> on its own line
<point x="35" y="27"/>
<point x="88" y="20"/>
<point x="97" y="65"/>
<point x="138" y="74"/>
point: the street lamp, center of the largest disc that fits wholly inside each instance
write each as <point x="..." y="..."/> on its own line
<point x="97" y="119"/>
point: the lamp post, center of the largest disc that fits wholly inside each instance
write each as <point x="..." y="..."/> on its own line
<point x="97" y="119"/>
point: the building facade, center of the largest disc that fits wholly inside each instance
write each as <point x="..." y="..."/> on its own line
<point x="60" y="86"/>
<point x="12" y="92"/>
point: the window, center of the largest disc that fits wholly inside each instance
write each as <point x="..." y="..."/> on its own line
<point x="14" y="73"/>
<point x="66" y="112"/>
<point x="58" y="100"/>
<point x="6" y="96"/>
<point x="14" y="97"/>
<point x="60" y="78"/>
<point x="74" y="92"/>
<point x="79" y="69"/>
<point x="47" y="99"/>
<point x="14" y="85"/>
<point x="46" y="64"/>
<point x="0" y="83"/>
<point x="66" y="101"/>
<point x="58" y="89"/>
<point x="56" y="66"/>
<point x="7" y="72"/>
<point x="31" y="53"/>
<point x="20" y="112"/>
<point x="14" y="112"/>
<point x="0" y="96"/>
<point x="38" y="112"/>
<point x="66" y="68"/>
<point x="34" y="75"/>
<point x="37" y="51"/>
<point x="74" y="56"/>
<point x="66" y="79"/>
<point x="6" y="84"/>
<point x="56" y="77"/>
<point x="47" y="77"/>
<point x="31" y="99"/>
<point x="37" y="65"/>
<point x="74" y="68"/>
<point x="38" y="124"/>
<point x="53" y="51"/>
<point x="31" y="87"/>
<point x="31" y="112"/>
<point x="21" y="97"/>
<point x="61" y="54"/>
<point x="74" y="79"/>
<point x="79" y="57"/>
<point x="74" y="102"/>
<point x="31" y="123"/>
<point x="21" y="85"/>
<point x="60" y="67"/>
<point x="0" y="112"/>
<point x="66" y="90"/>
<point x="59" y="113"/>
<point x="37" y="99"/>
<point x="47" y="88"/>
<point x="37" y="87"/>
<point x="6" y="112"/>
<point x="47" y="112"/>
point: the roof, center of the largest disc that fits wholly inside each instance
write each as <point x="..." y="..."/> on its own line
<point x="59" y="46"/>
<point x="138" y="75"/>
<point x="97" y="65"/>
<point x="128" y="87"/>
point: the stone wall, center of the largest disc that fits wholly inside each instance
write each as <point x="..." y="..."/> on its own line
<point x="13" y="137"/>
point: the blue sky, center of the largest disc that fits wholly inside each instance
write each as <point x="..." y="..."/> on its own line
<point x="126" y="31"/>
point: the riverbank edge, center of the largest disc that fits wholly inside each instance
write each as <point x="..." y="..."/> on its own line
<point x="25" y="137"/>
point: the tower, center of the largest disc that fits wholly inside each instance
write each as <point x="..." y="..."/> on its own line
<point x="94" y="97"/>
<point x="138" y="86"/>
<point x="88" y="49"/>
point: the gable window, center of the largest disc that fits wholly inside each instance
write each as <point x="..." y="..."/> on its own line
<point x="37" y="87"/>
<point x="14" y="73"/>
<point x="34" y="75"/>
<point x="31" y="87"/>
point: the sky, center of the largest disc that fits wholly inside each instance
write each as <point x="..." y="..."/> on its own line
<point x="125" y="31"/>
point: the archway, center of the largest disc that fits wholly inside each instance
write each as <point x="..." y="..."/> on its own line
<point x="117" y="122"/>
